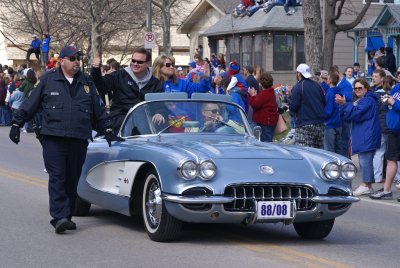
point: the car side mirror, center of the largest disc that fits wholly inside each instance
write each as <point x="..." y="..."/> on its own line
<point x="257" y="130"/>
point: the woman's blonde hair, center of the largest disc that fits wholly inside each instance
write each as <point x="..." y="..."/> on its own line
<point x="158" y="63"/>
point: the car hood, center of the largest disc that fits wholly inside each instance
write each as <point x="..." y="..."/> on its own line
<point x="234" y="149"/>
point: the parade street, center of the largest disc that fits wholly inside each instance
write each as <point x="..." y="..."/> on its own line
<point x="367" y="236"/>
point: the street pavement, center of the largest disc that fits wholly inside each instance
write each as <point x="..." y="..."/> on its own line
<point x="366" y="236"/>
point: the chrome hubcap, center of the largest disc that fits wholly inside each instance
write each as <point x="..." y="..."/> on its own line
<point x="154" y="204"/>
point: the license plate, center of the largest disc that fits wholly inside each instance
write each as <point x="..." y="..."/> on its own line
<point x="275" y="210"/>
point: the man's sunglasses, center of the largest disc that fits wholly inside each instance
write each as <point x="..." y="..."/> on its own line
<point x="169" y="65"/>
<point x="138" y="61"/>
<point x="74" y="58"/>
<point x="214" y="111"/>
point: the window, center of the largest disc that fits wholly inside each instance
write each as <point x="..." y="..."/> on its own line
<point x="258" y="49"/>
<point x="300" y="56"/>
<point x="234" y="51"/>
<point x="283" y="52"/>
<point x="247" y="49"/>
<point x="382" y="2"/>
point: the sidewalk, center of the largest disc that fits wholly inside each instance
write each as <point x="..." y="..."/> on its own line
<point x="376" y="186"/>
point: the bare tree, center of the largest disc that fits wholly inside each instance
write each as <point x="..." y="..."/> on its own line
<point x="313" y="29"/>
<point x="166" y="10"/>
<point x="86" y="24"/>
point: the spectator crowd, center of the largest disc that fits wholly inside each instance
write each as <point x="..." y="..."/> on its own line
<point x="335" y="110"/>
<point x="249" y="7"/>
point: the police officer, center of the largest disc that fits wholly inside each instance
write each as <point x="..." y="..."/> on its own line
<point x="70" y="108"/>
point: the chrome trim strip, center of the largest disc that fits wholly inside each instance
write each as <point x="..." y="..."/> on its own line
<point x="335" y="199"/>
<point x="197" y="199"/>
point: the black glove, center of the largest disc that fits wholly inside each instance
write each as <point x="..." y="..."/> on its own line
<point x="110" y="136"/>
<point x="15" y="133"/>
<point x="37" y="132"/>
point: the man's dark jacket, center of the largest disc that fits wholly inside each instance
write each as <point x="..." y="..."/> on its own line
<point x="307" y="103"/>
<point x="125" y="91"/>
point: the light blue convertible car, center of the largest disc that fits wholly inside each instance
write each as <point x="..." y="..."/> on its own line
<point x="198" y="161"/>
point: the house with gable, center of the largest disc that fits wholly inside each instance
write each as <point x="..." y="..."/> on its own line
<point x="273" y="40"/>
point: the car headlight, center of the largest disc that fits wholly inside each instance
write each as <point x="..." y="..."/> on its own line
<point x="189" y="170"/>
<point x="331" y="171"/>
<point x="207" y="170"/>
<point x="348" y="171"/>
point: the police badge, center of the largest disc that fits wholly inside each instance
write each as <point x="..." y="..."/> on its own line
<point x="86" y="88"/>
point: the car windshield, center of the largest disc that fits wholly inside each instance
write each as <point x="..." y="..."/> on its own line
<point x="159" y="117"/>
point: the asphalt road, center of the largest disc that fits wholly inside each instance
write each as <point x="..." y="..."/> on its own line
<point x="367" y="236"/>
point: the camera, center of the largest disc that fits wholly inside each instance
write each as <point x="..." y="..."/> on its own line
<point x="385" y="98"/>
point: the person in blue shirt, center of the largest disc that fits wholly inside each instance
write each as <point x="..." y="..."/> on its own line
<point x="34" y="48"/>
<point x="164" y="70"/>
<point x="347" y="91"/>
<point x="333" y="129"/>
<point x="45" y="48"/>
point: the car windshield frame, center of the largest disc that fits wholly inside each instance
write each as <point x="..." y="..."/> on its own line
<point x="230" y="118"/>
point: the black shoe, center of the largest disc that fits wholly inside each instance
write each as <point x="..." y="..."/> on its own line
<point x="398" y="199"/>
<point x="73" y="225"/>
<point x="63" y="225"/>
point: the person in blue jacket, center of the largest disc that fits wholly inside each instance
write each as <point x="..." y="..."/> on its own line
<point x="347" y="91"/>
<point x="34" y="48"/>
<point x="164" y="70"/>
<point x="365" y="130"/>
<point x="45" y="48"/>
<point x="333" y="126"/>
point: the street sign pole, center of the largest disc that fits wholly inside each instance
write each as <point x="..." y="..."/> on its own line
<point x="149" y="23"/>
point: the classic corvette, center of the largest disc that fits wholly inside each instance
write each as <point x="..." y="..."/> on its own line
<point x="198" y="160"/>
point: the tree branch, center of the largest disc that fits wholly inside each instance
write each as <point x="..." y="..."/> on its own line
<point x="339" y="9"/>
<point x="351" y="25"/>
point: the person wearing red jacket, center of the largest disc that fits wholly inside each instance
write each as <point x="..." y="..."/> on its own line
<point x="265" y="109"/>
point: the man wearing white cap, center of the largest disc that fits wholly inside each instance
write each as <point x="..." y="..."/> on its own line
<point x="307" y="102"/>
<point x="34" y="48"/>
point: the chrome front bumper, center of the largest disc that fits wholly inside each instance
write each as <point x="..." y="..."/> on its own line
<point x="224" y="199"/>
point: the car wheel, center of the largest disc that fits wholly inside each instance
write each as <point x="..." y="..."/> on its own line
<point x="315" y="229"/>
<point x="159" y="224"/>
<point x="81" y="207"/>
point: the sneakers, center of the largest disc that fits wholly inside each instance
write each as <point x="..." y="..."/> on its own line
<point x="362" y="190"/>
<point x="397" y="185"/>
<point x="289" y="13"/>
<point x="382" y="195"/>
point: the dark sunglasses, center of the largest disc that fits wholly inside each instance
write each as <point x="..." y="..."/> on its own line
<point x="358" y="88"/>
<point x="74" y="58"/>
<point x="137" y="61"/>
<point x="214" y="111"/>
<point x="169" y="65"/>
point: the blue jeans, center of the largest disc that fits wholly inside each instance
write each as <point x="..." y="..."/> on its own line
<point x="289" y="3"/>
<point x="332" y="139"/>
<point x="345" y="140"/>
<point x="253" y="9"/>
<point x="366" y="165"/>
<point x="267" y="133"/>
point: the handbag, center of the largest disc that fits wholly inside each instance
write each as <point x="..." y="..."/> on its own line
<point x="280" y="125"/>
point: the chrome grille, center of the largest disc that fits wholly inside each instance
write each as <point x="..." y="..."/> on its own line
<point x="246" y="194"/>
